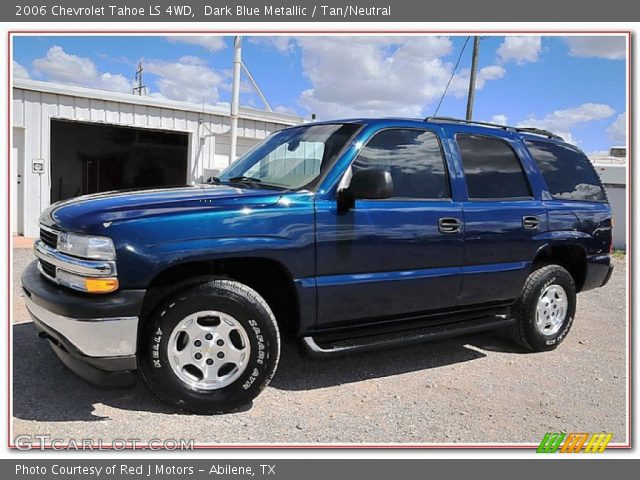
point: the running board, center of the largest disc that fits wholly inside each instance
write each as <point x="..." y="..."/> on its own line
<point x="315" y="347"/>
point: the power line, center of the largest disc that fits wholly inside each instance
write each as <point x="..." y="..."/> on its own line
<point x="452" y="75"/>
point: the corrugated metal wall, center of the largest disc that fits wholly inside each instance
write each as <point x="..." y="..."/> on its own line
<point x="33" y="110"/>
<point x="614" y="178"/>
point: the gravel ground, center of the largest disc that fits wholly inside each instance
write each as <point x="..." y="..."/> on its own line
<point x="470" y="389"/>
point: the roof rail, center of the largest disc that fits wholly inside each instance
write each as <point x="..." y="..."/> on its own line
<point x="468" y="122"/>
<point x="539" y="131"/>
<point x="533" y="130"/>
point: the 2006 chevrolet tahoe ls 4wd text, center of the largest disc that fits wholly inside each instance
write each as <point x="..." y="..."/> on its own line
<point x="348" y="234"/>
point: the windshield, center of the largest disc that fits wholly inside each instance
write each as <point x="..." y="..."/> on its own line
<point x="291" y="158"/>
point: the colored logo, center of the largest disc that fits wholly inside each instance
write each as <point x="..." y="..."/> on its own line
<point x="574" y="442"/>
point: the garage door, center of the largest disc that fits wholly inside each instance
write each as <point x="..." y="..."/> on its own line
<point x="90" y="158"/>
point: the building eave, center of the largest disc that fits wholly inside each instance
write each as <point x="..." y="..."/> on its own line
<point x="130" y="98"/>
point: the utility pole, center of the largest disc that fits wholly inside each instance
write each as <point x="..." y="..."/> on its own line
<point x="235" y="96"/>
<point x="472" y="77"/>
<point x="140" y="89"/>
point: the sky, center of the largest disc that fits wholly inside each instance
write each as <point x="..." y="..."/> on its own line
<point x="573" y="86"/>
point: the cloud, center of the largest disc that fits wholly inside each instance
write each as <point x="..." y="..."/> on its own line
<point x="597" y="153"/>
<point x="611" y="47"/>
<point x="562" y="122"/>
<point x="210" y="43"/>
<point x="460" y="83"/>
<point x="282" y="44"/>
<point x="285" y="109"/>
<point x="62" y="67"/>
<point x="617" y="131"/>
<point x="520" y="49"/>
<point x="189" y="79"/>
<point x="380" y="76"/>
<point x="19" y="71"/>
<point x="500" y="119"/>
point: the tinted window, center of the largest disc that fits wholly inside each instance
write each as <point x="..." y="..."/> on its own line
<point x="567" y="171"/>
<point x="491" y="168"/>
<point x="414" y="159"/>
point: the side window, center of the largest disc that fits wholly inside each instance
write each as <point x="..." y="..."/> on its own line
<point x="491" y="168"/>
<point x="414" y="159"/>
<point x="568" y="172"/>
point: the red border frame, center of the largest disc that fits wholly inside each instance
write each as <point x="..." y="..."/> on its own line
<point x="629" y="372"/>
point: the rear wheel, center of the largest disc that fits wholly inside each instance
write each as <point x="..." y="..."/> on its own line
<point x="210" y="348"/>
<point x="544" y="313"/>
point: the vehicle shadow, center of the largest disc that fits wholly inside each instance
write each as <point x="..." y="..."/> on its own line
<point x="298" y="372"/>
<point x="44" y="390"/>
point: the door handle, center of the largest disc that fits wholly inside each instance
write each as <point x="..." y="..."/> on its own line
<point x="449" y="225"/>
<point x="530" y="222"/>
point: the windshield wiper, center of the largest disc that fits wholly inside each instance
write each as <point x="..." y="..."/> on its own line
<point x="253" y="181"/>
<point x="243" y="179"/>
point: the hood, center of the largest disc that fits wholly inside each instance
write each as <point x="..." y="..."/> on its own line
<point x="84" y="214"/>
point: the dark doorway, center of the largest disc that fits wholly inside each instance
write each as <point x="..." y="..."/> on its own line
<point x="90" y="158"/>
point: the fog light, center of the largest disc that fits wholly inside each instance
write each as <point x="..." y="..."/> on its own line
<point x="101" y="285"/>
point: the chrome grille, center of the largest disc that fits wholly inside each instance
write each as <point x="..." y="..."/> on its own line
<point x="49" y="237"/>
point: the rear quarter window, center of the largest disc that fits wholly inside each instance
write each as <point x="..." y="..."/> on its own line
<point x="568" y="172"/>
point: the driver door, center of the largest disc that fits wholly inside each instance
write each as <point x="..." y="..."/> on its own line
<point x="393" y="257"/>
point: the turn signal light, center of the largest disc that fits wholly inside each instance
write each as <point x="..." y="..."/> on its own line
<point x="101" y="285"/>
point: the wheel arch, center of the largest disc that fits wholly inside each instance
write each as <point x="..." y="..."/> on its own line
<point x="569" y="255"/>
<point x="270" y="278"/>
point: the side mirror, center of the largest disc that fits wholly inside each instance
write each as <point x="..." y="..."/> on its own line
<point x="370" y="183"/>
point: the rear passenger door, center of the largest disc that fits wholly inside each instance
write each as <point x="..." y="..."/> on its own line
<point x="502" y="218"/>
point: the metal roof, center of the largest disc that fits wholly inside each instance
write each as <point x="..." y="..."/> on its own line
<point x="151" y="101"/>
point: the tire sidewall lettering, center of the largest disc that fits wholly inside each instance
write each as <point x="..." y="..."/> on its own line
<point x="260" y="349"/>
<point x="156" y="348"/>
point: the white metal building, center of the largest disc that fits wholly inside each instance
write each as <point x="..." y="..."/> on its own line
<point x="68" y="141"/>
<point x="612" y="169"/>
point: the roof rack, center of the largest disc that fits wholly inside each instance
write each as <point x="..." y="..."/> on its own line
<point x="539" y="131"/>
<point x="533" y="130"/>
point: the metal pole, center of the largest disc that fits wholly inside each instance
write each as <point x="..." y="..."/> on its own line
<point x="472" y="77"/>
<point x="256" y="87"/>
<point x="235" y="97"/>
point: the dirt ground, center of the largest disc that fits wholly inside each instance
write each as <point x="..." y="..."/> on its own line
<point x="472" y="389"/>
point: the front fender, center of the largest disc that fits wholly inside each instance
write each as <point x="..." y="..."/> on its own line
<point x="291" y="253"/>
<point x="283" y="233"/>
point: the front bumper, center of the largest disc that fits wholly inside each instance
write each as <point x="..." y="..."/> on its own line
<point x="95" y="336"/>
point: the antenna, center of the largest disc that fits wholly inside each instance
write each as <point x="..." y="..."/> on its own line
<point x="140" y="89"/>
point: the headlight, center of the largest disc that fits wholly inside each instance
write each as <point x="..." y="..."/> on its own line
<point x="95" y="248"/>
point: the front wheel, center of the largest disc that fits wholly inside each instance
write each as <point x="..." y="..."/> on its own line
<point x="544" y="313"/>
<point x="210" y="348"/>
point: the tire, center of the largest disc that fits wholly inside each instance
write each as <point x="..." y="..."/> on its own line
<point x="552" y="289"/>
<point x="237" y="332"/>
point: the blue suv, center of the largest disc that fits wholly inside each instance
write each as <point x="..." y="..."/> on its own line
<point x="349" y="235"/>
